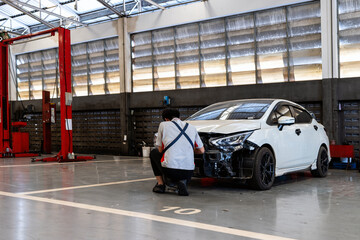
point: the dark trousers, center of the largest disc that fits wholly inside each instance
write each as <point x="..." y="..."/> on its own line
<point x="170" y="173"/>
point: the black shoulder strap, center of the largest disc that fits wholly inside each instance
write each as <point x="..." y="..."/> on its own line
<point x="182" y="132"/>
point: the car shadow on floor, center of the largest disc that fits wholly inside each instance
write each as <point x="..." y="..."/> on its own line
<point x="292" y="177"/>
<point x="209" y="183"/>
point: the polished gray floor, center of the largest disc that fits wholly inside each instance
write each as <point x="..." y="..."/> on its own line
<point x="111" y="198"/>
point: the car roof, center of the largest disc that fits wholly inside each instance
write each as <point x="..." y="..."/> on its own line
<point x="267" y="100"/>
<point x="271" y="101"/>
<point x="255" y="100"/>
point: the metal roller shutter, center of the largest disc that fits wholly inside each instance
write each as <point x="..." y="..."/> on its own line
<point x="146" y="122"/>
<point x="314" y="107"/>
<point x="350" y="125"/>
<point x="93" y="132"/>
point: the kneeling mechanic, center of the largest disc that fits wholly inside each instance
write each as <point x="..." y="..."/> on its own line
<point x="173" y="159"/>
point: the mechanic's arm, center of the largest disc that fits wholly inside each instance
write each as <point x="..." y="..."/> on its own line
<point x="159" y="138"/>
<point x="198" y="143"/>
<point x="199" y="150"/>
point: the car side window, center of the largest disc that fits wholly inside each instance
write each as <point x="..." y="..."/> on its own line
<point x="301" y="116"/>
<point x="279" y="112"/>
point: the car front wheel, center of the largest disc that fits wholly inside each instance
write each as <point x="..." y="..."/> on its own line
<point x="264" y="169"/>
<point x="322" y="163"/>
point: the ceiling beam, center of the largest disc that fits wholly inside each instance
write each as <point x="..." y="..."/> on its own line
<point x="66" y="8"/>
<point x="111" y="7"/>
<point x="138" y="5"/>
<point x="44" y="11"/>
<point x="15" y="33"/>
<point x="155" y="4"/>
<point x="27" y="13"/>
<point x="2" y="13"/>
<point x="103" y="12"/>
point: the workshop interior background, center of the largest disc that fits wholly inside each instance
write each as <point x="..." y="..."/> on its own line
<point x="122" y="68"/>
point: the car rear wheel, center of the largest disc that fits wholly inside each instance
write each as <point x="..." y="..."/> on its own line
<point x="264" y="170"/>
<point x="322" y="163"/>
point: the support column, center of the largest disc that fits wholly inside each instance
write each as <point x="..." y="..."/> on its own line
<point x="125" y="83"/>
<point x="336" y="111"/>
<point x="65" y="93"/>
<point x="330" y="68"/>
<point x="330" y="109"/>
<point x="329" y="39"/>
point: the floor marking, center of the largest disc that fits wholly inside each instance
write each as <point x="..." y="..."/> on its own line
<point x="67" y="163"/>
<point x="185" y="223"/>
<point x="87" y="186"/>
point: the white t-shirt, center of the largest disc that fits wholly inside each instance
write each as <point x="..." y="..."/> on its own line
<point x="181" y="154"/>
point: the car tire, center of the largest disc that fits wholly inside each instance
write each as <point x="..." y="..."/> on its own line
<point x="264" y="170"/>
<point x="322" y="163"/>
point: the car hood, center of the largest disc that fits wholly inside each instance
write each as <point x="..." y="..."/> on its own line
<point x="225" y="126"/>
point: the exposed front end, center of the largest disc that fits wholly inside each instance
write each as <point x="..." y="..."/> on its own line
<point x="226" y="156"/>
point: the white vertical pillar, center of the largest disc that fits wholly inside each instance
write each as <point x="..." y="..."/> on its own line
<point x="329" y="39"/>
<point x="121" y="54"/>
<point x="335" y="40"/>
<point x="12" y="75"/>
<point x="124" y="56"/>
<point x="127" y="56"/>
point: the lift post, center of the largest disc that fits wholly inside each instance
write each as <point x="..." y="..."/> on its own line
<point x="4" y="103"/>
<point x="65" y="94"/>
<point x="66" y="152"/>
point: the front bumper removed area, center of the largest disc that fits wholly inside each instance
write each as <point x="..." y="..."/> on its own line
<point x="225" y="164"/>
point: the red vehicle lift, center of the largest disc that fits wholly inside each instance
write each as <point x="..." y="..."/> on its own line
<point x="4" y="103"/>
<point x="66" y="152"/>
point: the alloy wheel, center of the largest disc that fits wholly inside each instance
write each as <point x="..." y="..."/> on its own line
<point x="324" y="162"/>
<point x="267" y="169"/>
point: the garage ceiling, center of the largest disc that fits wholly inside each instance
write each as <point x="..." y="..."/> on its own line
<point x="28" y="16"/>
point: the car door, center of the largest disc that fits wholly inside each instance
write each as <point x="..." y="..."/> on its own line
<point x="307" y="135"/>
<point x="287" y="144"/>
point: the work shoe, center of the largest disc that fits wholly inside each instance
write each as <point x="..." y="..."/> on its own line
<point x="159" y="188"/>
<point x="182" y="188"/>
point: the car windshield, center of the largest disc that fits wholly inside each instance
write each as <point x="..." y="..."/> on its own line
<point x="242" y="109"/>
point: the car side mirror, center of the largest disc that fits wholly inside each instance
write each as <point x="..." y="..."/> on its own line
<point x="284" y="120"/>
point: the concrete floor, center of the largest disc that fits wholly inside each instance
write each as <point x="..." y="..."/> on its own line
<point x="111" y="198"/>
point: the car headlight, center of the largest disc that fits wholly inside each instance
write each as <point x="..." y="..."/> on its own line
<point x="231" y="143"/>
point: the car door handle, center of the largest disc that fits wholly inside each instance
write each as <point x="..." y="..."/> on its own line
<point x="298" y="131"/>
<point x="315" y="127"/>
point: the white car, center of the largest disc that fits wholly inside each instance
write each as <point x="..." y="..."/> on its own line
<point x="258" y="140"/>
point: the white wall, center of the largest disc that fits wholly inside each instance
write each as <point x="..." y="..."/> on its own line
<point x="199" y="11"/>
<point x="194" y="12"/>
<point x="85" y="34"/>
<point x="169" y="17"/>
<point x="98" y="31"/>
<point x="159" y="19"/>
